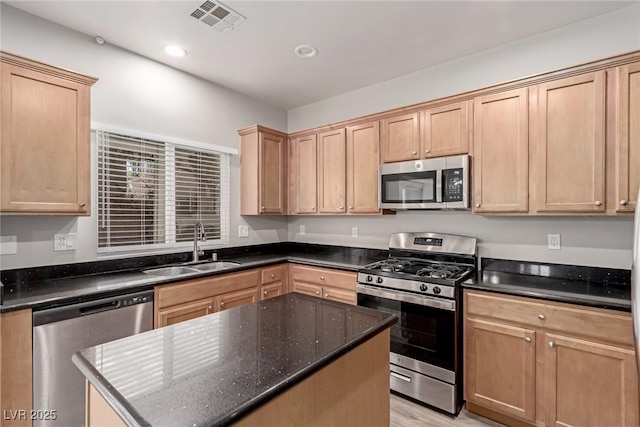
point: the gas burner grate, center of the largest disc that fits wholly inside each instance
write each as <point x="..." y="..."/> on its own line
<point x="441" y="271"/>
<point x="391" y="265"/>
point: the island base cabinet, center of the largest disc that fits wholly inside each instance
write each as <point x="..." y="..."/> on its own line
<point x="99" y="413"/>
<point x="352" y="391"/>
<point x="590" y="384"/>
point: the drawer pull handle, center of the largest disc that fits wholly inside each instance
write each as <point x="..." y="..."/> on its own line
<point x="528" y="339"/>
<point x="552" y="344"/>
<point x="541" y="316"/>
<point x="401" y="377"/>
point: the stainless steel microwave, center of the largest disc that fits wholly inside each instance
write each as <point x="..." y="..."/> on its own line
<point x="440" y="183"/>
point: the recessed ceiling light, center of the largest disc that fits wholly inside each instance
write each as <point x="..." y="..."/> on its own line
<point x="306" y="51"/>
<point x="174" y="50"/>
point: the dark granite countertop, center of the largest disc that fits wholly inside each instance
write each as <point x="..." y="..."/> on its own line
<point x="213" y="370"/>
<point x="47" y="287"/>
<point x="591" y="286"/>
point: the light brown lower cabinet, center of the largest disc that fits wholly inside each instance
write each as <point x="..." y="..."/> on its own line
<point x="236" y="299"/>
<point x="183" y="312"/>
<point x="548" y="364"/>
<point x="325" y="283"/>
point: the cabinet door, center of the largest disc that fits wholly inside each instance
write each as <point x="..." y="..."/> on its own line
<point x="501" y="153"/>
<point x="307" y="288"/>
<point x="332" y="174"/>
<point x="445" y="130"/>
<point x="628" y="144"/>
<point x="340" y="295"/>
<point x="271" y="290"/>
<point x="500" y="368"/>
<point x="235" y="299"/>
<point x="590" y="384"/>
<point x="304" y="174"/>
<point x="44" y="143"/>
<point x="180" y="313"/>
<point x="363" y="160"/>
<point x="272" y="173"/>
<point x="400" y="138"/>
<point x="570" y="144"/>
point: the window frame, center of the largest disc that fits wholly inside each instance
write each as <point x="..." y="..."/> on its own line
<point x="169" y="142"/>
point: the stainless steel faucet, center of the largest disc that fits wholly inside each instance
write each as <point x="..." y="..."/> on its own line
<point x="202" y="236"/>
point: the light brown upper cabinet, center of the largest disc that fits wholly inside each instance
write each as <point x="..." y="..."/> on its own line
<point x="332" y="172"/>
<point x="263" y="167"/>
<point x="362" y="167"/>
<point x="400" y="138"/>
<point x="628" y="142"/>
<point x="501" y="153"/>
<point x="303" y="180"/>
<point x="445" y="130"/>
<point x="570" y="144"/>
<point x="44" y="139"/>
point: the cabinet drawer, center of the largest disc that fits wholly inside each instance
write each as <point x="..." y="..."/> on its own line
<point x="606" y="325"/>
<point x="271" y="274"/>
<point x="325" y="277"/>
<point x="313" y="290"/>
<point x="190" y="290"/>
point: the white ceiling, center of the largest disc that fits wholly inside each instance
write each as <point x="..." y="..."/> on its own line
<point x="359" y="42"/>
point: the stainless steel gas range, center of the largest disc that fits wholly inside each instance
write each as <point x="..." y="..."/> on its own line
<point x="419" y="283"/>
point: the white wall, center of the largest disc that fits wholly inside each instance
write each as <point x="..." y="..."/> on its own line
<point x="137" y="93"/>
<point x="585" y="241"/>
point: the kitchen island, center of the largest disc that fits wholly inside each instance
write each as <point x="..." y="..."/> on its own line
<point x="290" y="360"/>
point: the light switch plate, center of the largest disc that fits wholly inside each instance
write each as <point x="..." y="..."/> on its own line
<point x="243" y="231"/>
<point x="8" y="245"/>
<point x="64" y="242"/>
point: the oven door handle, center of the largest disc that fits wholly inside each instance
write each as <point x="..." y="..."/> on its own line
<point x="407" y="297"/>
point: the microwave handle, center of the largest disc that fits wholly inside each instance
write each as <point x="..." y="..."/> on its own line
<point x="439" y="186"/>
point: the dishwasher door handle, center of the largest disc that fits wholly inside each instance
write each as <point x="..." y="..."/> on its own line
<point x="99" y="308"/>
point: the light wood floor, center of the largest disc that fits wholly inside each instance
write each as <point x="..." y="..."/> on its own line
<point x="405" y="413"/>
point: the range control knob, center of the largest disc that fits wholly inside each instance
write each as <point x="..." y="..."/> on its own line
<point x="423" y="288"/>
<point x="436" y="290"/>
<point x="369" y="279"/>
<point x="379" y="280"/>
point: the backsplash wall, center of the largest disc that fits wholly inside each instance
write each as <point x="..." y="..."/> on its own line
<point x="600" y="242"/>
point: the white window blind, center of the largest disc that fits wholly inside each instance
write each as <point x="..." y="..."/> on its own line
<point x="151" y="193"/>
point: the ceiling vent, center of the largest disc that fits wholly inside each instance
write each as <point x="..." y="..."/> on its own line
<point x="217" y="16"/>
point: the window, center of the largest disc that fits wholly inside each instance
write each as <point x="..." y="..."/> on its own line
<point x="151" y="193"/>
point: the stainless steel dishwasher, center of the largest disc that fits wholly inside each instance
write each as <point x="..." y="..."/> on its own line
<point x="59" y="332"/>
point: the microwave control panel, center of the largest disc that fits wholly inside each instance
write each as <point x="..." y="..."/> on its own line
<point x="452" y="185"/>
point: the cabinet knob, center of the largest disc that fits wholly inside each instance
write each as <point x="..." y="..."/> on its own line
<point x="552" y="344"/>
<point x="273" y="276"/>
<point x="541" y="316"/>
<point x="427" y="151"/>
<point x="82" y="204"/>
<point x="527" y="339"/>
<point x="265" y="292"/>
<point x="327" y="296"/>
<point x="415" y="153"/>
<point x="624" y="202"/>
<point x="262" y="208"/>
<point x="313" y="208"/>
<point x="477" y="205"/>
<point x="210" y="308"/>
<point x="350" y="207"/>
<point x="598" y="203"/>
<point x="317" y="292"/>
<point x="321" y="277"/>
<point x="222" y="304"/>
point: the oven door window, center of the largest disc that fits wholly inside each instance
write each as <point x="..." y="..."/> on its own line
<point x="422" y="333"/>
<point x="414" y="187"/>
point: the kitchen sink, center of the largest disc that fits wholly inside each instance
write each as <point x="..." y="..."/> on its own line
<point x="215" y="265"/>
<point x="171" y="271"/>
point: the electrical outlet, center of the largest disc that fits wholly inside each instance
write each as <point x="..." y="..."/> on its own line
<point x="243" y="231"/>
<point x="553" y="241"/>
<point x="302" y="230"/>
<point x="354" y="231"/>
<point x="64" y="242"/>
